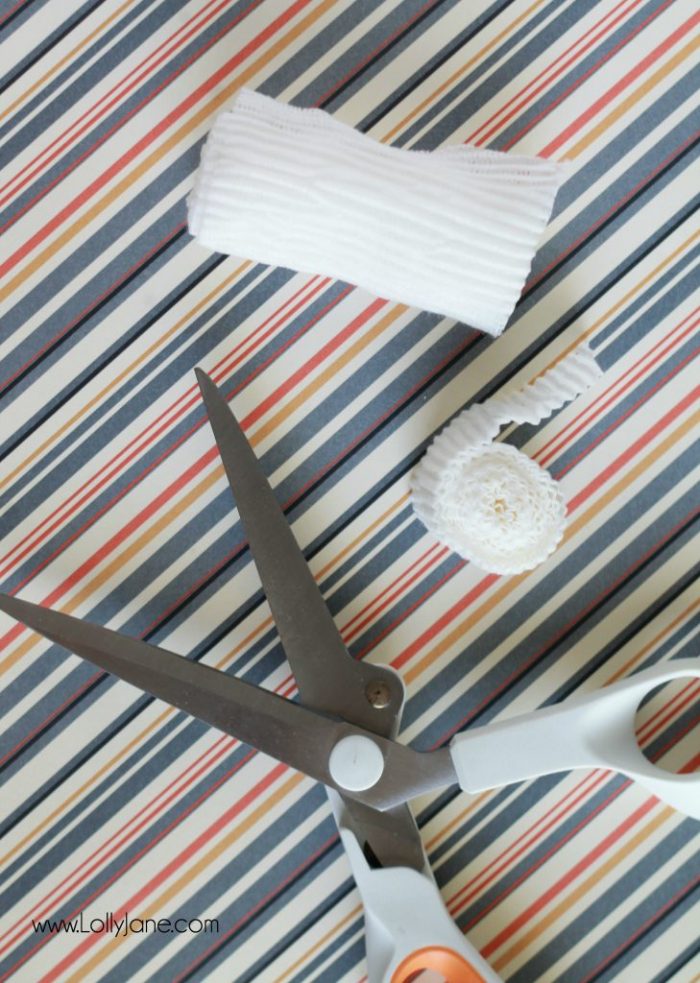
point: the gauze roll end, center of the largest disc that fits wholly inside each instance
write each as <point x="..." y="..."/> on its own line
<point x="452" y="231"/>
<point x="489" y="502"/>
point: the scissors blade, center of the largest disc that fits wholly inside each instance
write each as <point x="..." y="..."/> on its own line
<point x="299" y="737"/>
<point x="253" y="715"/>
<point x="327" y="676"/>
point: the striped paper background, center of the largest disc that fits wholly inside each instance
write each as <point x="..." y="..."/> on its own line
<point x="114" y="505"/>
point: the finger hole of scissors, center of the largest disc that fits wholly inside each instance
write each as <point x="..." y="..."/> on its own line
<point x="667" y="725"/>
<point x="436" y="965"/>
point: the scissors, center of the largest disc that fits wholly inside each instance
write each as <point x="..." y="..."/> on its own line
<point x="343" y="731"/>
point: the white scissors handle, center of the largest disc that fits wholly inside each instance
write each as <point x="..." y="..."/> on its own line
<point x="408" y="930"/>
<point x="591" y="731"/>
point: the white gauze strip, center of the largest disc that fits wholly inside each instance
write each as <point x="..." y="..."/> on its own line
<point x="488" y="501"/>
<point x="452" y="231"/>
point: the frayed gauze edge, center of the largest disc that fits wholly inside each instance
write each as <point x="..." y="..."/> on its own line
<point x="452" y="231"/>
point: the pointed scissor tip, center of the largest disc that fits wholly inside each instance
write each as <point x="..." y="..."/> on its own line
<point x="7" y="603"/>
<point x="26" y="612"/>
<point x="206" y="385"/>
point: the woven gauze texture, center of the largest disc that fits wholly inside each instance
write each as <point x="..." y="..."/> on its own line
<point x="488" y="501"/>
<point x="452" y="231"/>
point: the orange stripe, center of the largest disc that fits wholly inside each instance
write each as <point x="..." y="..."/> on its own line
<point x="324" y="940"/>
<point x="82" y="789"/>
<point x="640" y="655"/>
<point x="222" y="663"/>
<point x="129" y="552"/>
<point x="99" y="857"/>
<point x="631" y="100"/>
<point x="130" y="451"/>
<point x="474" y="60"/>
<point x="578" y="894"/>
<point x="305" y="394"/>
<point x="395" y="588"/>
<point x="171" y="143"/>
<point x="122" y="376"/>
<point x="211" y="857"/>
<point x="184" y="321"/>
<point x="65" y="60"/>
<point x="545" y="823"/>
<point x="631" y="293"/>
<point x="543" y="81"/>
<point x="180" y="37"/>
<point x="627" y="103"/>
<point x="592" y="779"/>
<point x="361" y="537"/>
<point x="611" y="394"/>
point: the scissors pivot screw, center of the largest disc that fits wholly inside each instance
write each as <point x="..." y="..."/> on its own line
<point x="378" y="694"/>
<point x="356" y="763"/>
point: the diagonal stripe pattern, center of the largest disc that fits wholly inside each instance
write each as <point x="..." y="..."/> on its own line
<point x="114" y="506"/>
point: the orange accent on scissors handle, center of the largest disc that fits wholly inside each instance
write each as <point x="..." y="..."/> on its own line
<point x="449" y="963"/>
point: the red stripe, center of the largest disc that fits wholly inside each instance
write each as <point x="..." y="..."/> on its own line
<point x="108" y="105"/>
<point x="426" y="636"/>
<point x="373" y="54"/>
<point x="575" y="871"/>
<point x="12" y="10"/>
<point x="156" y="428"/>
<point x="323" y="353"/>
<point x="526" y="841"/>
<point x="694" y="764"/>
<point x="578" y="82"/>
<point x="618" y="206"/>
<point x="689" y="399"/>
<point x="654" y="430"/>
<point x="168" y="121"/>
<point x="669" y="710"/>
<point x="189" y="851"/>
<point x="599" y="777"/>
<point x="517" y="103"/>
<point x="597" y="406"/>
<point x="644" y="927"/>
<point x="145" y="816"/>
<point x="168" y="870"/>
<point x="678" y="35"/>
<point x="407" y="612"/>
<point x="277" y="890"/>
<point x="397" y="588"/>
<point x="125" y="458"/>
<point x="91" y="306"/>
<point x="202" y="841"/>
<point x="54" y="713"/>
<point x="73" y="915"/>
<point x="563" y="255"/>
<point x="167" y="795"/>
<point x="445" y="619"/>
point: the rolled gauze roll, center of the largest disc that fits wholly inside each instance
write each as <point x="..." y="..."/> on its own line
<point x="488" y="501"/>
<point x="452" y="230"/>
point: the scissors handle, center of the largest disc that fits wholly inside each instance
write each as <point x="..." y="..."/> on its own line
<point x="407" y="927"/>
<point x="595" y="730"/>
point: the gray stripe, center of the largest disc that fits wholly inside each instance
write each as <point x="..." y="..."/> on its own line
<point x="84" y="85"/>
